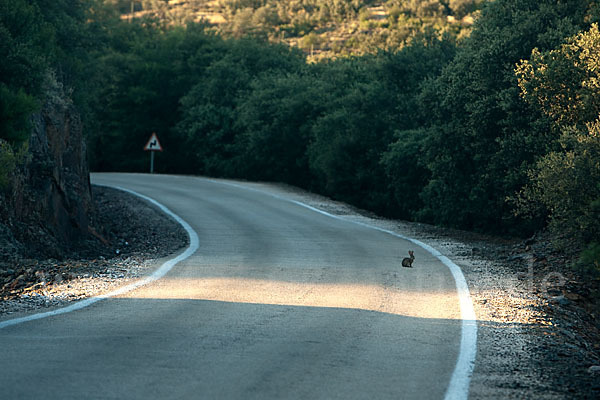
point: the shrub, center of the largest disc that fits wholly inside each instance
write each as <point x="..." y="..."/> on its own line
<point x="565" y="84"/>
<point x="590" y="260"/>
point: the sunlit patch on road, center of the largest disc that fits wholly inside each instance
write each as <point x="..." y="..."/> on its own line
<point x="388" y="299"/>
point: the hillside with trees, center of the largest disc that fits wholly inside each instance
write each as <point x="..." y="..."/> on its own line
<point x="477" y="120"/>
<point x="322" y="28"/>
<point x="494" y="131"/>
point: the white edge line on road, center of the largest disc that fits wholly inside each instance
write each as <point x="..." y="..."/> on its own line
<point x="159" y="273"/>
<point x="461" y="376"/>
<point x="458" y="387"/>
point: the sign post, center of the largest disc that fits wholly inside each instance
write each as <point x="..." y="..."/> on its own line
<point x="152" y="146"/>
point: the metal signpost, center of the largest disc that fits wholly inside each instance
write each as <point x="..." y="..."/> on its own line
<point x="152" y="146"/>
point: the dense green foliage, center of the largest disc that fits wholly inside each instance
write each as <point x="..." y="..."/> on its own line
<point x="481" y="135"/>
<point x="24" y="52"/>
<point x="565" y="85"/>
<point x="139" y="81"/>
<point x="39" y="40"/>
<point x="494" y="132"/>
<point x="321" y="126"/>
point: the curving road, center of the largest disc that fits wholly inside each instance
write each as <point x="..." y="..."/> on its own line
<point x="278" y="302"/>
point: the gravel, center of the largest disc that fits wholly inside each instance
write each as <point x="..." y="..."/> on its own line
<point x="538" y="329"/>
<point x="134" y="235"/>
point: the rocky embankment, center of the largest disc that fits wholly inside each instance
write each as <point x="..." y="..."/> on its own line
<point x="49" y="203"/>
<point x="59" y="241"/>
<point x="135" y="235"/>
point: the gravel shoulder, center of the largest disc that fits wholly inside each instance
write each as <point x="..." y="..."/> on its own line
<point x="538" y="328"/>
<point x="538" y="333"/>
<point x="134" y="236"/>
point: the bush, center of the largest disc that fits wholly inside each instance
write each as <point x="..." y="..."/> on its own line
<point x="16" y="108"/>
<point x="9" y="159"/>
<point x="483" y="136"/>
<point x="567" y="184"/>
<point x="7" y="163"/>
<point x="406" y="173"/>
<point x="589" y="261"/>
<point x="565" y="85"/>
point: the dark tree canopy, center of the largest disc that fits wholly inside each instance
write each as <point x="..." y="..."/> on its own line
<point x="470" y="131"/>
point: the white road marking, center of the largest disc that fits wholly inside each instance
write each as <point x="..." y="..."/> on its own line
<point x="458" y="387"/>
<point x="159" y="273"/>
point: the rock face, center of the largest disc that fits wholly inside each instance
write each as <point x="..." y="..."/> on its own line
<point x="49" y="206"/>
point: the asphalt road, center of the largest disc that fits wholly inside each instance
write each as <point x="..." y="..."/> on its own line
<point x="278" y="302"/>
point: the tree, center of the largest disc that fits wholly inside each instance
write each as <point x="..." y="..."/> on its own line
<point x="461" y="8"/>
<point x="38" y="39"/>
<point x="564" y="84"/>
<point x="26" y="45"/>
<point x="210" y="108"/>
<point x="142" y="76"/>
<point x="483" y="136"/>
<point x="275" y="121"/>
<point x="352" y="132"/>
<point x="407" y="70"/>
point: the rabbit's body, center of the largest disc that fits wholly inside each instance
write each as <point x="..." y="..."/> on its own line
<point x="407" y="262"/>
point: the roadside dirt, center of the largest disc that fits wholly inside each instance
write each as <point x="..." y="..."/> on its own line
<point x="538" y="328"/>
<point x="134" y="235"/>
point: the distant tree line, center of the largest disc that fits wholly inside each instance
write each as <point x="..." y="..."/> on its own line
<point x="498" y="132"/>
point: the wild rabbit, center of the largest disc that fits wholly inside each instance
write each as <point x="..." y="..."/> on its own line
<point x="407" y="262"/>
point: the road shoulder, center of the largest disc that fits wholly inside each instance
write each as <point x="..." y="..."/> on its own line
<point x="135" y="238"/>
<point x="536" y="339"/>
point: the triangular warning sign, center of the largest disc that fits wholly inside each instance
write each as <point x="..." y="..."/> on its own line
<point x="153" y="144"/>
